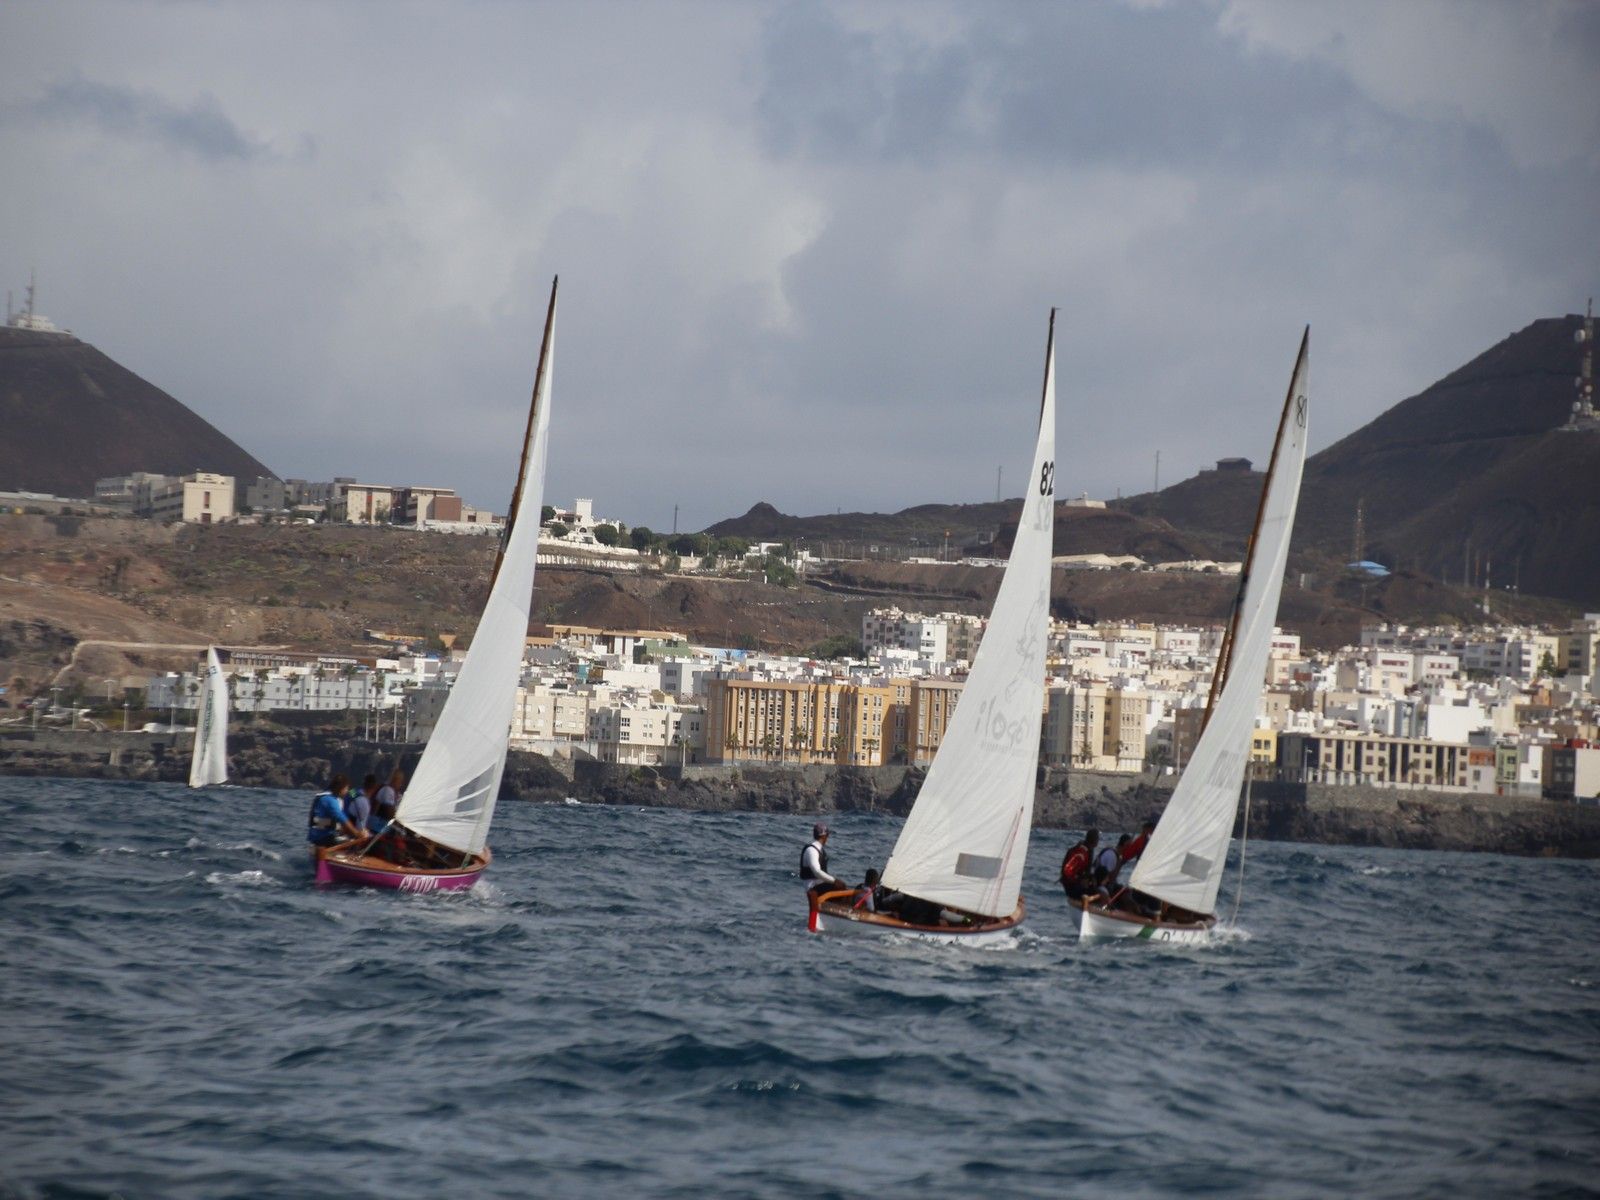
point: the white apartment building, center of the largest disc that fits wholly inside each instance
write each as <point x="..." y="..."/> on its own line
<point x="643" y="733"/>
<point x="891" y="629"/>
<point x="550" y="713"/>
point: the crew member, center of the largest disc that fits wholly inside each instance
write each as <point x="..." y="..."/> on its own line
<point x="866" y="897"/>
<point x="387" y="801"/>
<point x="1108" y="863"/>
<point x="358" y="808"/>
<point x="328" y="824"/>
<point x="1135" y="848"/>
<point x="1075" y="867"/>
<point x="814" y="862"/>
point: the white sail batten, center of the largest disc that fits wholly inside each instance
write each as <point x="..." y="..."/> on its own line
<point x="1184" y="860"/>
<point x="209" y="765"/>
<point x="965" y="841"/>
<point x="453" y="790"/>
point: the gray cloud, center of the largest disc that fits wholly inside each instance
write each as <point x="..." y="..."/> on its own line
<point x="200" y="127"/>
<point x="807" y="251"/>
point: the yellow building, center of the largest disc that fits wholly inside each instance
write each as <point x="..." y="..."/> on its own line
<point x="1123" y="728"/>
<point x="1074" y="727"/>
<point x="1263" y="750"/>
<point x="798" y="722"/>
<point x="932" y="704"/>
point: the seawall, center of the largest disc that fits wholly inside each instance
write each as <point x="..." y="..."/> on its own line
<point x="301" y="753"/>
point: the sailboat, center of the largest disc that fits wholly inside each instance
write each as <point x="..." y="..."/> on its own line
<point x="209" y="766"/>
<point x="1181" y="867"/>
<point x="965" y="842"/>
<point x="439" y="837"/>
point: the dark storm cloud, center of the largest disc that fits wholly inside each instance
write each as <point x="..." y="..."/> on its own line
<point x="1063" y="83"/>
<point x="199" y="127"/>
<point x="807" y="251"/>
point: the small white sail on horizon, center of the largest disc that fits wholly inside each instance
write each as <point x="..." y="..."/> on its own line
<point x="452" y="795"/>
<point x="965" y="842"/>
<point x="1188" y="850"/>
<point x="209" y="766"/>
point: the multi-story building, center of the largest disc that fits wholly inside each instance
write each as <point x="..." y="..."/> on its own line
<point x="1074" y="726"/>
<point x="126" y="490"/>
<point x="1572" y="772"/>
<point x="640" y="734"/>
<point x="1579" y="650"/>
<point x="890" y="629"/>
<point x="931" y="706"/>
<point x="1376" y="759"/>
<point x="544" y="713"/>
<point x="201" y="498"/>
<point x="365" y="503"/>
<point x="1124" y="729"/>
<point x="797" y="721"/>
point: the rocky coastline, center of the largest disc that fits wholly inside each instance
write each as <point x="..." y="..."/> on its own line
<point x="302" y="753"/>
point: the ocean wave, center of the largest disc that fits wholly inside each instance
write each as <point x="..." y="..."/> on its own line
<point x="628" y="1004"/>
<point x="242" y="878"/>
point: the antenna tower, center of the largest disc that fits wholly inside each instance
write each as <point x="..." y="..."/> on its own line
<point x="1361" y="531"/>
<point x="1585" y="417"/>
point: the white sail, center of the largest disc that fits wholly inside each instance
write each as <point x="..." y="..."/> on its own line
<point x="210" y="763"/>
<point x="966" y="840"/>
<point x="453" y="790"/>
<point x="1184" y="860"/>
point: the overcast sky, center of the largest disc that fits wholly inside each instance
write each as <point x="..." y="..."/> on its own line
<point x="807" y="251"/>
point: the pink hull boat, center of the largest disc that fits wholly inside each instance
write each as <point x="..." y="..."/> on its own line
<point x="362" y="871"/>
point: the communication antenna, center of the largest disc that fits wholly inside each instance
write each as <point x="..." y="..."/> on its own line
<point x="1156" y="487"/>
<point x="1361" y="531"/>
<point x="1585" y="404"/>
<point x="28" y="308"/>
<point x="674" y="519"/>
<point x="999" y="474"/>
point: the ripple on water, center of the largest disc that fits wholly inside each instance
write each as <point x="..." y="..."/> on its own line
<point x="629" y="1005"/>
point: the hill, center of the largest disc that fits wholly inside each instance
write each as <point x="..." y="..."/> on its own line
<point x="72" y="415"/>
<point x="1470" y="481"/>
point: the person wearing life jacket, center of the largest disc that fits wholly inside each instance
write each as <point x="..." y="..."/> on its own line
<point x="358" y="804"/>
<point x="1135" y="847"/>
<point x="328" y="824"/>
<point x="1108" y="864"/>
<point x="1076" y="867"/>
<point x="814" y="863"/>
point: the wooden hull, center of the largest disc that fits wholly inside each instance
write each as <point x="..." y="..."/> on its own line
<point x="1098" y="922"/>
<point x="336" y="865"/>
<point x="831" y="913"/>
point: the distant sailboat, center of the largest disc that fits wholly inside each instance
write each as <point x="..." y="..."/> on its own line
<point x="209" y="766"/>
<point x="1181" y="867"/>
<point x="441" y="830"/>
<point x="965" y="842"/>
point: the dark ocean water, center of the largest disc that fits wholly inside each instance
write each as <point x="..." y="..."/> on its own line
<point x="630" y="1006"/>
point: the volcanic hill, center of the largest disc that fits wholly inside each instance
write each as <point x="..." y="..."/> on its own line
<point x="1471" y="480"/>
<point x="72" y="415"/>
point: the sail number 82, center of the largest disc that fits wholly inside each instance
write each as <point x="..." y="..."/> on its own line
<point x="1047" y="479"/>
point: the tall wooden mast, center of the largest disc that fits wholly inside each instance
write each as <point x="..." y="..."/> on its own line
<point x="527" y="437"/>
